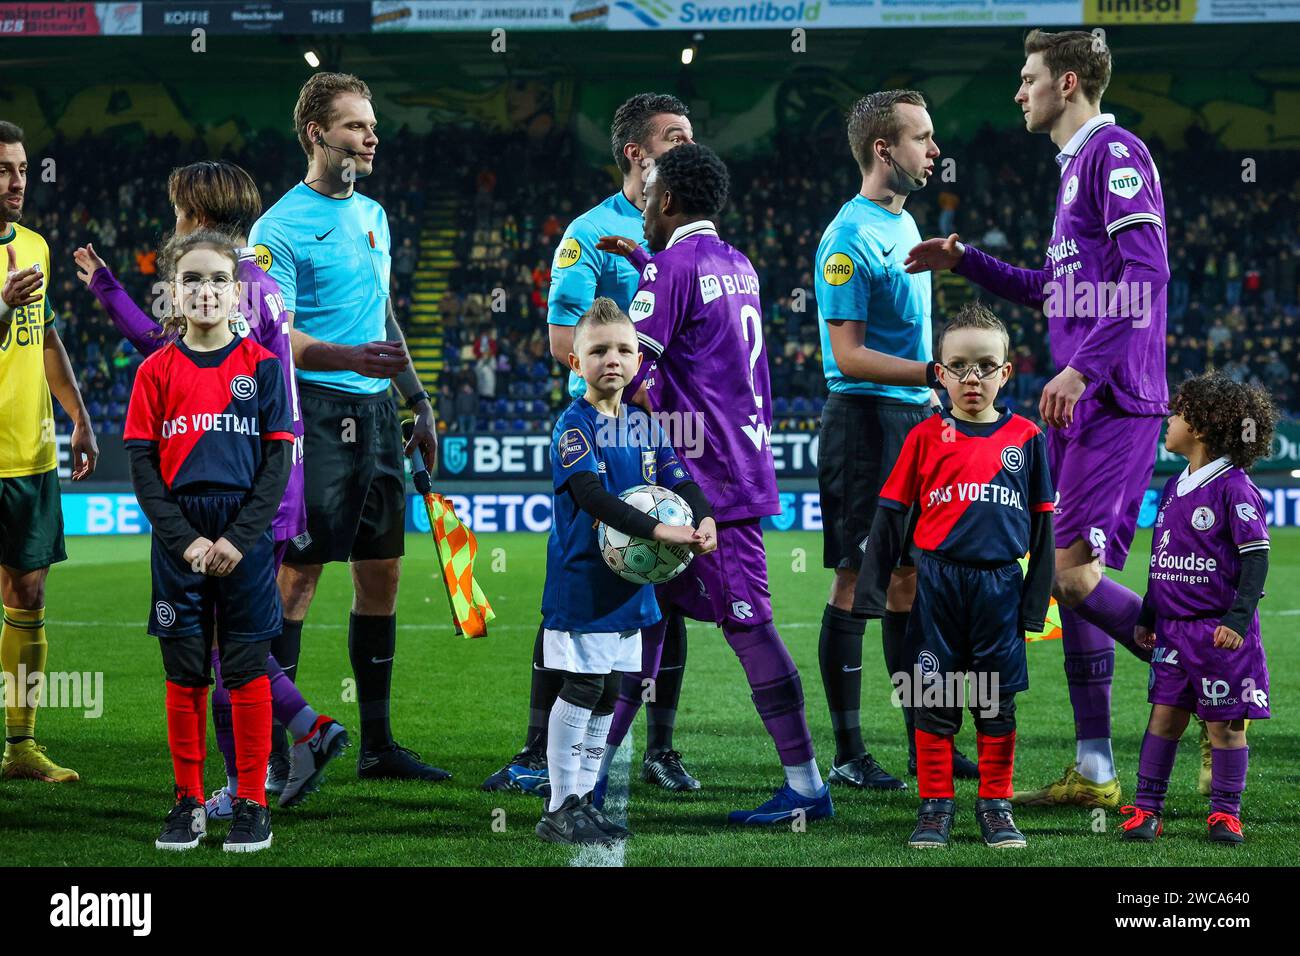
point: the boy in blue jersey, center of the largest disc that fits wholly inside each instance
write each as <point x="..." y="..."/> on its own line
<point x="874" y="320"/>
<point x="644" y="128"/>
<point x="980" y="482"/>
<point x="591" y="617"/>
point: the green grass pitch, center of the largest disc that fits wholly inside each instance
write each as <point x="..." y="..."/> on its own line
<point x="463" y="705"/>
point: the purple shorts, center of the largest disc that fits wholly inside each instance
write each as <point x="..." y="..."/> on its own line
<point x="1101" y="465"/>
<point x="728" y="584"/>
<point x="1190" y="673"/>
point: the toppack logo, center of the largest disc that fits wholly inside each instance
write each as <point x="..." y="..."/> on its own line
<point x="76" y="909"/>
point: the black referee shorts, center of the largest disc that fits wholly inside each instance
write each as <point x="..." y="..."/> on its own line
<point x="861" y="437"/>
<point x="354" y="482"/>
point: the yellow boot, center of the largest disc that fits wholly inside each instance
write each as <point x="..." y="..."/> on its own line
<point x="1073" y="789"/>
<point x="27" y="761"/>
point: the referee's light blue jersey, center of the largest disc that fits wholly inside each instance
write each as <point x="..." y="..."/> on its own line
<point x="580" y="272"/>
<point x="860" y="278"/>
<point x="331" y="258"/>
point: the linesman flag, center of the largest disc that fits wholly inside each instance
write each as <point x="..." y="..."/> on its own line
<point x="456" y="548"/>
<point x="1053" y="629"/>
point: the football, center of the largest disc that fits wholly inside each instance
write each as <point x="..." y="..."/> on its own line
<point x="641" y="561"/>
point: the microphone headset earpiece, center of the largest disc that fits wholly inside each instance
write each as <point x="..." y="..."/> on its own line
<point x="918" y="183"/>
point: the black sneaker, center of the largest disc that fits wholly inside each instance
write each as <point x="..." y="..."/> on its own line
<point x="864" y="773"/>
<point x="607" y="826"/>
<point x="526" y="772"/>
<point x="250" y="831"/>
<point x="996" y="825"/>
<point x="665" y="769"/>
<point x="397" y="763"/>
<point x="277" y="773"/>
<point x="963" y="768"/>
<point x="570" y="823"/>
<point x="1225" y="828"/>
<point x="185" y="826"/>
<point x="933" y="822"/>
<point x="1142" y="826"/>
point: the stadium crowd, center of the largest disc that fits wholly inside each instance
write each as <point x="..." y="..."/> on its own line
<point x="1234" y="248"/>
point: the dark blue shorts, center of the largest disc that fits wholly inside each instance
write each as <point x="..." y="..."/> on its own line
<point x="246" y="602"/>
<point x="967" y="620"/>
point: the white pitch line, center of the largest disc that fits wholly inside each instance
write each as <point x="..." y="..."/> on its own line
<point x="615" y="808"/>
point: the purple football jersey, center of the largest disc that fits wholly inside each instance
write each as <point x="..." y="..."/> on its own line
<point x="699" y="319"/>
<point x="1207" y="520"/>
<point x="1104" y="322"/>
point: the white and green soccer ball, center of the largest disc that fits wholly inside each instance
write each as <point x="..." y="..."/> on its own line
<point x="641" y="561"/>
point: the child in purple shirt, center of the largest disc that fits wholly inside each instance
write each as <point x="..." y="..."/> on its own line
<point x="1209" y="559"/>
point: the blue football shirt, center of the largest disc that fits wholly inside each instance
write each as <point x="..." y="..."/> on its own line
<point x="582" y="595"/>
<point x="860" y="278"/>
<point x="331" y="260"/>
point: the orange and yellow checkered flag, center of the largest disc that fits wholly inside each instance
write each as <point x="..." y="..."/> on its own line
<point x="457" y="547"/>
<point x="1052" y="631"/>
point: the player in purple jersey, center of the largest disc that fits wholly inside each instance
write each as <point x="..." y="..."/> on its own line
<point x="698" y="315"/>
<point x="222" y="195"/>
<point x="1102" y="288"/>
<point x="1209" y="561"/>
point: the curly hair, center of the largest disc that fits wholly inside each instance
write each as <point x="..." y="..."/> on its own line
<point x="1233" y="420"/>
<point x="696" y="177"/>
<point x="632" y="122"/>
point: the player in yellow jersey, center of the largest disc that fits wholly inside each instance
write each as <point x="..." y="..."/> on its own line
<point x="33" y="364"/>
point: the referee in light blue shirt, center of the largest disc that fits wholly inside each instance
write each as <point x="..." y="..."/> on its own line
<point x="874" y="320"/>
<point x="328" y="248"/>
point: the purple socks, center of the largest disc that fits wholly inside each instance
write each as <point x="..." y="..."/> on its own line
<point x="1155" y="764"/>
<point x="286" y="703"/>
<point x="777" y="691"/>
<point x="631" y="687"/>
<point x="1114" y="609"/>
<point x="1089" y="665"/>
<point x="1228" y="779"/>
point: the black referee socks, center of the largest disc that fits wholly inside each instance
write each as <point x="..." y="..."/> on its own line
<point x="372" y="641"/>
<point x="839" y="651"/>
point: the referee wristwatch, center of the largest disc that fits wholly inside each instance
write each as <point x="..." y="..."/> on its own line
<point x="421" y="396"/>
<point x="932" y="377"/>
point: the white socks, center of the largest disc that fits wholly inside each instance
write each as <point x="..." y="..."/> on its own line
<point x="1094" y="760"/>
<point x="301" y="724"/>
<point x="804" y="778"/>
<point x="593" y="751"/>
<point x="565" y="733"/>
